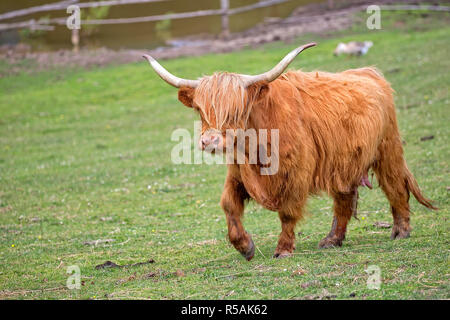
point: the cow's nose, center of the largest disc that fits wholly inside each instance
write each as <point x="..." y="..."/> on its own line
<point x="211" y="141"/>
<point x="205" y="142"/>
<point x="215" y="140"/>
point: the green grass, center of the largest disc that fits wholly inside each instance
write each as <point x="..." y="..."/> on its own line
<point x="80" y="148"/>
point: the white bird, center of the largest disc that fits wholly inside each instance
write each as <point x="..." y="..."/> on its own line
<point x="353" y="48"/>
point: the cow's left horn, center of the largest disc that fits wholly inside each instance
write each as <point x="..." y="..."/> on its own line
<point x="168" y="77"/>
<point x="278" y="69"/>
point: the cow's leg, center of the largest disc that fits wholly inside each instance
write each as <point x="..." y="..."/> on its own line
<point x="390" y="170"/>
<point x="232" y="203"/>
<point x="344" y="208"/>
<point x="286" y="241"/>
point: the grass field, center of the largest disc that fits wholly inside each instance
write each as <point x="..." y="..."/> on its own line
<point x="85" y="155"/>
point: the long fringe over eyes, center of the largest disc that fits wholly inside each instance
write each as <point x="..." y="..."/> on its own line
<point x="225" y="95"/>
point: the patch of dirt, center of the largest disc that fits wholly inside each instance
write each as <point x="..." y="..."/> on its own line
<point x="24" y="292"/>
<point x="5" y="209"/>
<point x="325" y="295"/>
<point x="313" y="283"/>
<point x="110" y="264"/>
<point x="427" y="138"/>
<point x="382" y="225"/>
<point x="299" y="272"/>
<point x="127" y="279"/>
<point x="149" y="275"/>
<point x="180" y="273"/>
<point x="313" y="18"/>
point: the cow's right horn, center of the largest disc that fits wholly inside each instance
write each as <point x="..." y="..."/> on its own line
<point x="168" y="77"/>
<point x="278" y="69"/>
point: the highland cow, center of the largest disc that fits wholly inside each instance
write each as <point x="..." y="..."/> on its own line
<point x="333" y="128"/>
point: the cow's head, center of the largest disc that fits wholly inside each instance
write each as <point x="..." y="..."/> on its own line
<point x="223" y="100"/>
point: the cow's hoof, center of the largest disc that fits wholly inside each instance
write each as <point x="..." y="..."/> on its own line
<point x="398" y="233"/>
<point x="330" y="242"/>
<point x="250" y="252"/>
<point x="283" y="254"/>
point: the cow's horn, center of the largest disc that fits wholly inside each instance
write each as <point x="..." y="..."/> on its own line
<point x="278" y="69"/>
<point x="168" y="77"/>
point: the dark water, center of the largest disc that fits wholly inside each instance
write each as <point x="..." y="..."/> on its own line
<point x="140" y="35"/>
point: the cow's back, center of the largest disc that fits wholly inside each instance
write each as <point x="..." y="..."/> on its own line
<point x="344" y="116"/>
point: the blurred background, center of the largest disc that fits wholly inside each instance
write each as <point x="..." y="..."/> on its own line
<point x="116" y="31"/>
<point x="86" y="127"/>
<point x="129" y="34"/>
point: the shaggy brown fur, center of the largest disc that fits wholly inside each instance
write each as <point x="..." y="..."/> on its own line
<point x="333" y="128"/>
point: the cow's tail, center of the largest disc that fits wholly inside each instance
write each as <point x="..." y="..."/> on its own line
<point x="411" y="185"/>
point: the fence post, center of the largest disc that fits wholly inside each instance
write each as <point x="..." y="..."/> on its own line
<point x="330" y="4"/>
<point x="225" y="5"/>
<point x="75" y="40"/>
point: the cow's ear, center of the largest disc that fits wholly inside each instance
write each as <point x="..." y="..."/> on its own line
<point x="186" y="96"/>
<point x="259" y="89"/>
